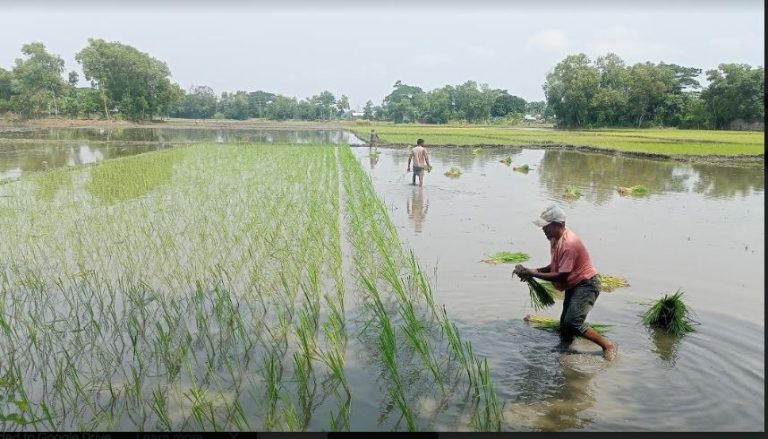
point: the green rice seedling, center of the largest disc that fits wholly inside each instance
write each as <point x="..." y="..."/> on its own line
<point x="507" y="161"/>
<point x="638" y="190"/>
<point x="454" y="172"/>
<point x="572" y="193"/>
<point x="477" y="151"/>
<point x="541" y="297"/>
<point x="670" y="314"/>
<point x="553" y="324"/>
<point x="506" y="257"/>
<point x="523" y="168"/>
<point x="609" y="283"/>
<point x="488" y="415"/>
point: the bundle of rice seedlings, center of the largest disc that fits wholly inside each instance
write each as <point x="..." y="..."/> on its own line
<point x="453" y="172"/>
<point x="524" y="169"/>
<point x="637" y="190"/>
<point x="551" y="324"/>
<point x="507" y="161"/>
<point x="541" y="297"/>
<point x="670" y="314"/>
<point x="572" y="193"/>
<point x="507" y="257"/>
<point x="609" y="283"/>
<point x="477" y="151"/>
<point x="429" y="168"/>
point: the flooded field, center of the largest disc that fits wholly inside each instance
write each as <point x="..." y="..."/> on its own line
<point x="283" y="295"/>
<point x="700" y="229"/>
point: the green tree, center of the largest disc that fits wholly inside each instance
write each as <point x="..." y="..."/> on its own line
<point x="134" y="81"/>
<point x="368" y="110"/>
<point x="282" y="108"/>
<point x="37" y="81"/>
<point x="258" y="101"/>
<point x="569" y="90"/>
<point x="342" y="105"/>
<point x="6" y="90"/>
<point x="735" y="91"/>
<point x="507" y="104"/>
<point x="402" y="105"/>
<point x="199" y="103"/>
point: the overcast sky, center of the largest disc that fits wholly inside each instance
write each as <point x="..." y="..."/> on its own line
<point x="361" y="49"/>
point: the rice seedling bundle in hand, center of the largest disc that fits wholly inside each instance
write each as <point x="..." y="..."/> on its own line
<point x="507" y="257"/>
<point x="609" y="283"/>
<point x="524" y="169"/>
<point x="637" y="190"/>
<point x="541" y="297"/>
<point x="670" y="314"/>
<point x="572" y="193"/>
<point x="551" y="324"/>
<point x="453" y="172"/>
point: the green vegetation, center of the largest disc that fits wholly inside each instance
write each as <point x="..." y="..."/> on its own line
<point x="670" y="314"/>
<point x="505" y="257"/>
<point x="572" y="193"/>
<point x="524" y="169"/>
<point x="638" y="190"/>
<point x="552" y="324"/>
<point x="507" y="161"/>
<point x="541" y="296"/>
<point x="477" y="151"/>
<point x="609" y="283"/>
<point x="454" y="172"/>
<point x="667" y="142"/>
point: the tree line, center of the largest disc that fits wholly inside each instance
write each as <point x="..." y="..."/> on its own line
<point x="129" y="84"/>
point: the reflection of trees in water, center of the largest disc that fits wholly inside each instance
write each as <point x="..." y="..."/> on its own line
<point x="725" y="181"/>
<point x="553" y="391"/>
<point x="601" y="174"/>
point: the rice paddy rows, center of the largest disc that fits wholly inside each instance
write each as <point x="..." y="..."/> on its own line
<point x="203" y="288"/>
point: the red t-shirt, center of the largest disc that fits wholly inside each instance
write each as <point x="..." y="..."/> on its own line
<point x="570" y="256"/>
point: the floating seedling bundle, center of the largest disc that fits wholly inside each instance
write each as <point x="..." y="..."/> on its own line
<point x="572" y="193"/>
<point x="453" y="172"/>
<point x="477" y="151"/>
<point x="671" y="314"/>
<point x="506" y="257"/>
<point x="524" y="169"/>
<point x="637" y="190"/>
<point x="609" y="283"/>
<point x="507" y="161"/>
<point x="552" y="324"/>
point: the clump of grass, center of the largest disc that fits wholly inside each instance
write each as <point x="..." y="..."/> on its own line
<point x="477" y="151"/>
<point x="609" y="283"/>
<point x="507" y="161"/>
<point x="548" y="323"/>
<point x="454" y="172"/>
<point x="671" y="314"/>
<point x="572" y="193"/>
<point x="541" y="296"/>
<point x="524" y="168"/>
<point x="507" y="257"/>
<point x="637" y="190"/>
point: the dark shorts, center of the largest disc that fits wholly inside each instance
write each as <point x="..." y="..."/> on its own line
<point x="418" y="171"/>
<point x="578" y="301"/>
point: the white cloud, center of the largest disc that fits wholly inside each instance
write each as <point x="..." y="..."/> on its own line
<point x="549" y="39"/>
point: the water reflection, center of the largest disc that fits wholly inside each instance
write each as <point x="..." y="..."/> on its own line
<point x="602" y="174"/>
<point x="666" y="345"/>
<point x="417" y="205"/>
<point x="32" y="150"/>
<point x="554" y="398"/>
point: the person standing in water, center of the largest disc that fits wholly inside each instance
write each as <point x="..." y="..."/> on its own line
<point x="570" y="270"/>
<point x="420" y="160"/>
<point x="374" y="139"/>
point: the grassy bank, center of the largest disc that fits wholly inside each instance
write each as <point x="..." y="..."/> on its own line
<point x="656" y="142"/>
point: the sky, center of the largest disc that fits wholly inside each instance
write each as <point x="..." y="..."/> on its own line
<point x="360" y="49"/>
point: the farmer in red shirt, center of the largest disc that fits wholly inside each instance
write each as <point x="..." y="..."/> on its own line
<point x="570" y="270"/>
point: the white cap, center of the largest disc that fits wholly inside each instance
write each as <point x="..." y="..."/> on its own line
<point x="552" y="214"/>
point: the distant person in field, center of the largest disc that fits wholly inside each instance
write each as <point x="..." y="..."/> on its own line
<point x="570" y="270"/>
<point x="374" y="139"/>
<point x="420" y="160"/>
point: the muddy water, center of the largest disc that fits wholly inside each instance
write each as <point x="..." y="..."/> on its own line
<point x="30" y="150"/>
<point x="701" y="230"/>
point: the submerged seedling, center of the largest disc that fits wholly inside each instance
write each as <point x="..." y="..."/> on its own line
<point x="671" y="314"/>
<point x="552" y="324"/>
<point x="505" y="257"/>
